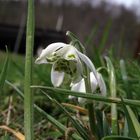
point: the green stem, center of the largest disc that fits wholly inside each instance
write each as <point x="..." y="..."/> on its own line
<point x="28" y="95"/>
<point x="89" y="96"/>
<point x="90" y="106"/>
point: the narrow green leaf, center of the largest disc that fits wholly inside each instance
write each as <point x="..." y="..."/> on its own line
<point x="3" y="73"/>
<point x="125" y="130"/>
<point x="112" y="86"/>
<point x="71" y="35"/>
<point x="75" y="41"/>
<point x="28" y="94"/>
<point x="106" y="127"/>
<point x="112" y="78"/>
<point x="92" y="120"/>
<point x="99" y="123"/>
<point x="134" y="120"/>
<point x="90" y="96"/>
<point x="133" y="123"/>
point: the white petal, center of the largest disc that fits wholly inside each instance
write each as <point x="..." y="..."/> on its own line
<point x="93" y="82"/>
<point x="98" y="76"/>
<point x="71" y="97"/>
<point x="80" y="87"/>
<point x="102" y="85"/>
<point x="56" y="77"/>
<point x="88" y="62"/>
<point x="48" y="51"/>
<point x="52" y="48"/>
<point x="71" y="53"/>
<point x="40" y="61"/>
<point x="81" y="100"/>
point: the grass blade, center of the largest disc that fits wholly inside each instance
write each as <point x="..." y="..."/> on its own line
<point x="112" y="86"/>
<point x="106" y="127"/>
<point x="4" y="71"/>
<point x="90" y="96"/>
<point x="28" y="94"/>
<point x="133" y="123"/>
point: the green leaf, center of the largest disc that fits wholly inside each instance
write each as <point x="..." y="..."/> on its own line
<point x="75" y="41"/>
<point x="28" y="94"/>
<point x="91" y="96"/>
<point x="71" y="35"/>
<point x="125" y="130"/>
<point x="106" y="127"/>
<point x="112" y="78"/>
<point x="133" y="123"/>
<point x="99" y="123"/>
<point x="112" y="86"/>
<point x="134" y="120"/>
<point x="4" y="71"/>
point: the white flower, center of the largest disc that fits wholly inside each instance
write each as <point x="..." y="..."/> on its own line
<point x="80" y="86"/>
<point x="66" y="59"/>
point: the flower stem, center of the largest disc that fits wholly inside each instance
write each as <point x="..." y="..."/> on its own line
<point x="28" y="95"/>
<point x="90" y="106"/>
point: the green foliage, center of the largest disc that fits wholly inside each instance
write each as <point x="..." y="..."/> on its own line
<point x="102" y="122"/>
<point x="114" y="117"/>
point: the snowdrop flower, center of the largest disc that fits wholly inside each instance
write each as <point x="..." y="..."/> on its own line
<point x="67" y="60"/>
<point x="64" y="59"/>
<point x="80" y="86"/>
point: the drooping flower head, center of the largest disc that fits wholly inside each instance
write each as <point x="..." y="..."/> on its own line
<point x="67" y="60"/>
<point x="64" y="59"/>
